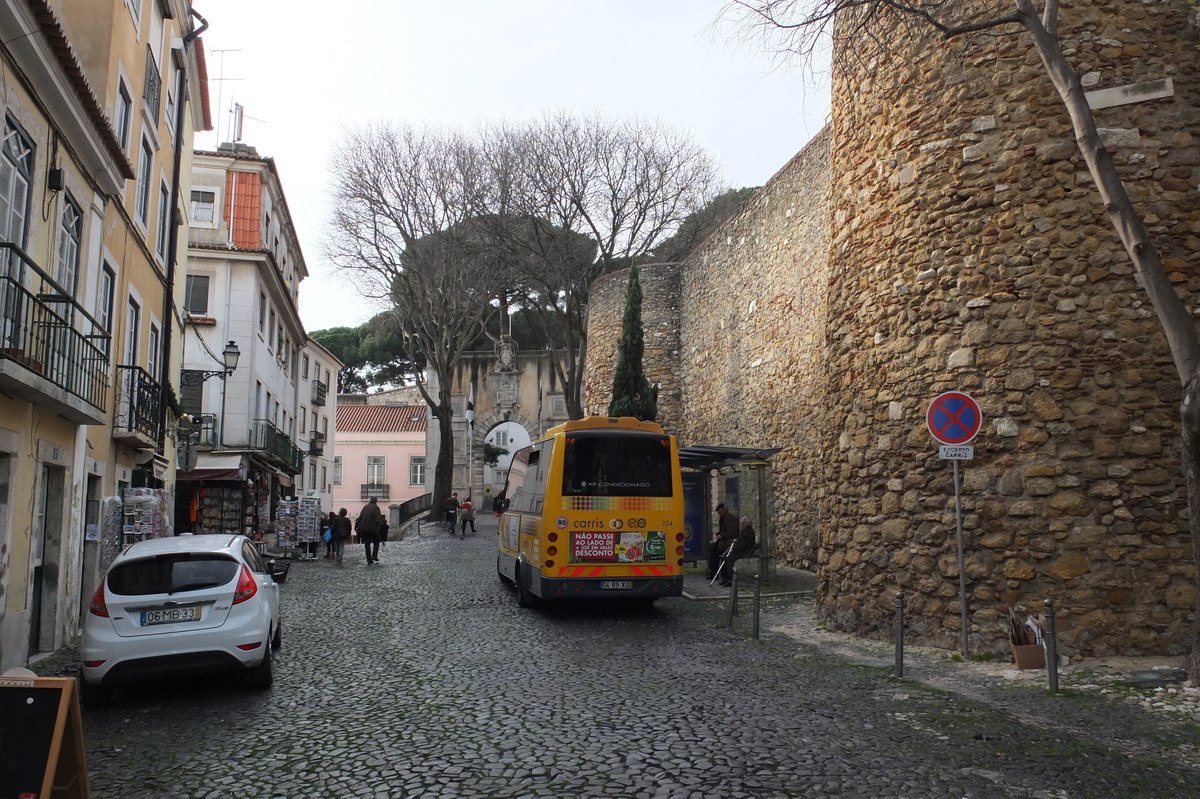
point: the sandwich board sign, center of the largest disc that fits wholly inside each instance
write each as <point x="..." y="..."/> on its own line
<point x="41" y="738"/>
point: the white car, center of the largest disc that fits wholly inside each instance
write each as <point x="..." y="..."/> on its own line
<point x="184" y="605"/>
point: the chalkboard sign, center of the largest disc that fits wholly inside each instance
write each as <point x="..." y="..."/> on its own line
<point x="41" y="739"/>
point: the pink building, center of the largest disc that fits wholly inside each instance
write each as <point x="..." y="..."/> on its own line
<point x="380" y="453"/>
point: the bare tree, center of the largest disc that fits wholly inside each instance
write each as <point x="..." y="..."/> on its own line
<point x="624" y="185"/>
<point x="865" y="29"/>
<point x="404" y="227"/>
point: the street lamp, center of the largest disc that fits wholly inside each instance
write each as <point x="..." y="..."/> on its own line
<point x="194" y="377"/>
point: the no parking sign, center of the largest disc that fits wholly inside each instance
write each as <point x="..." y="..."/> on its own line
<point x="953" y="418"/>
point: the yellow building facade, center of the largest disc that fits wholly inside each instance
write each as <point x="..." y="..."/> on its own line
<point x="101" y="100"/>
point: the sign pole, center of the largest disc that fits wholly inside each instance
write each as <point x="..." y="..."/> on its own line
<point x="962" y="568"/>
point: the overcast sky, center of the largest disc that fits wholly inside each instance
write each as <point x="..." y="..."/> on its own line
<point x="305" y="70"/>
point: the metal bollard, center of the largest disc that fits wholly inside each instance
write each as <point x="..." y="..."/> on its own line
<point x="732" y="611"/>
<point x="899" y="633"/>
<point x="757" y="600"/>
<point x="1051" y="648"/>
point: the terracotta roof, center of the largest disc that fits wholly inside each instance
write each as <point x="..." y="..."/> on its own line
<point x="380" y="419"/>
<point x="244" y="190"/>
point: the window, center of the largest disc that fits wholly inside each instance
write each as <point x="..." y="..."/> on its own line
<point x="324" y="478"/>
<point x="124" y="120"/>
<point x="152" y="352"/>
<point x="203" y="209"/>
<point x="104" y="302"/>
<point x="375" y="469"/>
<point x="337" y="470"/>
<point x="271" y="332"/>
<point x="171" y="109"/>
<point x="152" y="92"/>
<point x="262" y="311"/>
<point x="133" y="322"/>
<point x="141" y="207"/>
<point x="303" y="418"/>
<point x="416" y="470"/>
<point x="70" y="232"/>
<point x="195" y="295"/>
<point x="16" y="168"/>
<point x="135" y="8"/>
<point x="160" y="236"/>
<point x="314" y="422"/>
<point x="312" y="474"/>
<point x="502" y="439"/>
<point x="191" y="391"/>
<point x="304" y="368"/>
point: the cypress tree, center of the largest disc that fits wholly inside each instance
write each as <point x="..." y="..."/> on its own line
<point x="632" y="394"/>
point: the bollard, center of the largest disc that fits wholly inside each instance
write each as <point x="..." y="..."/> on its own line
<point x="732" y="609"/>
<point x="1051" y="648"/>
<point x="757" y="600"/>
<point x="899" y="633"/>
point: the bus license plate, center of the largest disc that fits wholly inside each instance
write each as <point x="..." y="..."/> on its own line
<point x="170" y="615"/>
<point x="618" y="584"/>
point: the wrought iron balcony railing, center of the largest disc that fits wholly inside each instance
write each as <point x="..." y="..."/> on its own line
<point x="53" y="338"/>
<point x="138" y="402"/>
<point x="319" y="390"/>
<point x="375" y="490"/>
<point x="272" y="442"/>
<point x="205" y="430"/>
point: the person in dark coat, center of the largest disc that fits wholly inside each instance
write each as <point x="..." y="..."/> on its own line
<point x="743" y="545"/>
<point x="341" y="534"/>
<point x="726" y="533"/>
<point x="368" y="529"/>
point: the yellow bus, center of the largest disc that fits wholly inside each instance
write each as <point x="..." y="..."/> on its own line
<point x="594" y="509"/>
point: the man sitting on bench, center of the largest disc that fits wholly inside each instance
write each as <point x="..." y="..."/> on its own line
<point x="743" y="545"/>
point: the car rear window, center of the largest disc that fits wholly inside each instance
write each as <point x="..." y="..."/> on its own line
<point x="171" y="574"/>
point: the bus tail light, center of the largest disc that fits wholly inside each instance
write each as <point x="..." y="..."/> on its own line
<point x="552" y="537"/>
<point x="551" y="551"/>
<point x="549" y="564"/>
<point x="678" y="550"/>
<point x="679" y="537"/>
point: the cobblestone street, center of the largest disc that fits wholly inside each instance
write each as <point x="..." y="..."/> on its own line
<point x="420" y="677"/>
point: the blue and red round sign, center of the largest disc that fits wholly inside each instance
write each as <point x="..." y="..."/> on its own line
<point x="953" y="418"/>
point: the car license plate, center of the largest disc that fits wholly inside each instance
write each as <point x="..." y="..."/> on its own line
<point x="170" y="615"/>
<point x="616" y="584"/>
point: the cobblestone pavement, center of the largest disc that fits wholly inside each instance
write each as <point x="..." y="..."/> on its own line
<point x="420" y="677"/>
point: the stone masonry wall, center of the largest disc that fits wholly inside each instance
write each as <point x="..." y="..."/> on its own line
<point x="971" y="252"/>
<point x="753" y="335"/>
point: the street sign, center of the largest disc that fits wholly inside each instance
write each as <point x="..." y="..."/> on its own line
<point x="953" y="418"/>
<point x="956" y="453"/>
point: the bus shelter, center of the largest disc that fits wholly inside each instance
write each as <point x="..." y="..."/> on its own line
<point x="743" y="482"/>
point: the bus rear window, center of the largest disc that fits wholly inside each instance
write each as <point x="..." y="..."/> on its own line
<point x="615" y="465"/>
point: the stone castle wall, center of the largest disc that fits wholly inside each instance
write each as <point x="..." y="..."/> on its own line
<point x="944" y="234"/>
<point x="971" y="251"/>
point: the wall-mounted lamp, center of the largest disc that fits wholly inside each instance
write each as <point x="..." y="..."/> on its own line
<point x="230" y="355"/>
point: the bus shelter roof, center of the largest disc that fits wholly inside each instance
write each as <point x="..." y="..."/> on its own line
<point x="703" y="456"/>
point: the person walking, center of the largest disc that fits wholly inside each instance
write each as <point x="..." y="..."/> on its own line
<point x="450" y="508"/>
<point x="368" y="529"/>
<point x="467" y="516"/>
<point x="727" y="531"/>
<point x="384" y="527"/>
<point x="327" y="529"/>
<point x="341" y="534"/>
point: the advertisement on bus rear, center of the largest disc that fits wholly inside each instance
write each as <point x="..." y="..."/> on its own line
<point x="613" y="546"/>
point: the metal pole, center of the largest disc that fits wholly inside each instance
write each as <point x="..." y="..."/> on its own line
<point x="760" y="474"/>
<point x="757" y="600"/>
<point x="1051" y="647"/>
<point x="962" y="568"/>
<point x="899" y="633"/>
<point x="732" y="600"/>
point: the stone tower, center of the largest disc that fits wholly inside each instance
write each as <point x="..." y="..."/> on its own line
<point x="970" y="251"/>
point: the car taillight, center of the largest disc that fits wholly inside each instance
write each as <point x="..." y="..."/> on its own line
<point x="246" y="586"/>
<point x="97" y="606"/>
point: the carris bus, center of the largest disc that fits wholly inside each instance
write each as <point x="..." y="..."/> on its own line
<point x="594" y="509"/>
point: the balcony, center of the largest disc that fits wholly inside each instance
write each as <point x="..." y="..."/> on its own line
<point x="52" y="352"/>
<point x="137" y="407"/>
<point x="204" y="428"/>
<point x="319" y="391"/>
<point x="375" y="491"/>
<point x="271" y="441"/>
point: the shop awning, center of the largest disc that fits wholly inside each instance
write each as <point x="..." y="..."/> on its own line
<point x="216" y="466"/>
<point x="703" y="456"/>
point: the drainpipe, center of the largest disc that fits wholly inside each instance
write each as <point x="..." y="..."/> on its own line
<point x="173" y="238"/>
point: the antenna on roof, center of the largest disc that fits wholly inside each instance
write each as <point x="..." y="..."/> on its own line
<point x="238" y="113"/>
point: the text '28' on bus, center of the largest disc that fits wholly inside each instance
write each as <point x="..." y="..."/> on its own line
<point x="594" y="509"/>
